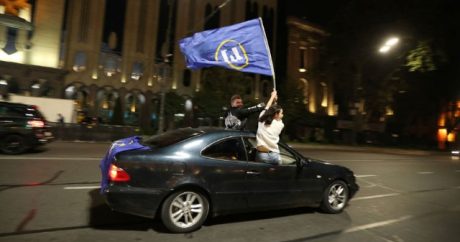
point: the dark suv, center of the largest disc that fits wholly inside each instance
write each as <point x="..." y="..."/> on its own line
<point x="22" y="127"/>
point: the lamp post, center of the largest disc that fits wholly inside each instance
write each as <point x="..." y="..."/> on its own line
<point x="356" y="107"/>
<point x="162" y="75"/>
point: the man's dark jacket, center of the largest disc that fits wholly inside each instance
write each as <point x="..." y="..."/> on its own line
<point x="242" y="114"/>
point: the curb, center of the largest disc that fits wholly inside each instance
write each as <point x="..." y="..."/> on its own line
<point x="387" y="150"/>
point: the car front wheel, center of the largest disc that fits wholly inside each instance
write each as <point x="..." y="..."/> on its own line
<point x="335" y="197"/>
<point x="184" y="211"/>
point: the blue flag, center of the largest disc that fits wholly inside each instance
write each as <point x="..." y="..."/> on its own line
<point x="241" y="47"/>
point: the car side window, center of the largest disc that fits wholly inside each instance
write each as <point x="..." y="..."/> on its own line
<point x="287" y="158"/>
<point x="13" y="112"/>
<point x="229" y="149"/>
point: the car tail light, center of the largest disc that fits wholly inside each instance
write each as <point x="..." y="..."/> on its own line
<point x="36" y="123"/>
<point x="117" y="174"/>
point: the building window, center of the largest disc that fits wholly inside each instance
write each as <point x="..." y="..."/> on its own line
<point x="70" y="92"/>
<point x="106" y="100"/>
<point x="187" y="78"/>
<point x="324" y="96"/>
<point x="111" y="64"/>
<point x="141" y="26"/>
<point x="191" y="18"/>
<point x="134" y="102"/>
<point x="214" y="21"/>
<point x="303" y="59"/>
<point x="40" y="88"/>
<point x="79" y="63"/>
<point x="138" y="71"/>
<point x="305" y="90"/>
<point x="84" y="21"/>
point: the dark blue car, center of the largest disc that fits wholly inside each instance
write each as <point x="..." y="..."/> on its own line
<point x="185" y="175"/>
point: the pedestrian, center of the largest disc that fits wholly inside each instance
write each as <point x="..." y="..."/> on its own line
<point x="268" y="132"/>
<point x="60" y="119"/>
<point x="237" y="116"/>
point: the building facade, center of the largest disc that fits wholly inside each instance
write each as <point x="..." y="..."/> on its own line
<point x="114" y="56"/>
<point x="304" y="41"/>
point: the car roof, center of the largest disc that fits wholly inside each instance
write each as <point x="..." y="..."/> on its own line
<point x="14" y="104"/>
<point x="178" y="135"/>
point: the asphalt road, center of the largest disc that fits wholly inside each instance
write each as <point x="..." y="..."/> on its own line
<point x="52" y="195"/>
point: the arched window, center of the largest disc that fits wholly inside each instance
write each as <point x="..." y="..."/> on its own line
<point x="134" y="102"/>
<point x="106" y="99"/>
<point x="40" y="87"/>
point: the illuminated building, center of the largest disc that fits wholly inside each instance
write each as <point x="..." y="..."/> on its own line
<point x="107" y="53"/>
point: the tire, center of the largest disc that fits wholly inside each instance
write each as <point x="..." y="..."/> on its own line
<point x="13" y="145"/>
<point x="335" y="197"/>
<point x="184" y="211"/>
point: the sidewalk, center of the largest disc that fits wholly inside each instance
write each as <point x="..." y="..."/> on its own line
<point x="369" y="149"/>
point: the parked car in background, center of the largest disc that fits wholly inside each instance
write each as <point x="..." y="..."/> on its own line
<point x="182" y="176"/>
<point x="22" y="127"/>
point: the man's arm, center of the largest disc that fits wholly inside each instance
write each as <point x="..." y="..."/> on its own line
<point x="245" y="112"/>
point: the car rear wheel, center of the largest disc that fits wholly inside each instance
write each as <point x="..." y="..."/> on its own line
<point x="13" y="144"/>
<point x="335" y="197"/>
<point x="184" y="211"/>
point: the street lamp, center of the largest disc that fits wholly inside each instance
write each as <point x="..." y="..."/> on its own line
<point x="388" y="45"/>
<point x="162" y="74"/>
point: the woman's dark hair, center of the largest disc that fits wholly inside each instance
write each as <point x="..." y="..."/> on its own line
<point x="269" y="114"/>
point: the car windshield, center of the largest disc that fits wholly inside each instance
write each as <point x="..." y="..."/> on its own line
<point x="171" y="137"/>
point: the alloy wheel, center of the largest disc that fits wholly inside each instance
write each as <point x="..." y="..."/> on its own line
<point x="337" y="196"/>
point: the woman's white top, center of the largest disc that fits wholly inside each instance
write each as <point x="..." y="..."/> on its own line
<point x="269" y="135"/>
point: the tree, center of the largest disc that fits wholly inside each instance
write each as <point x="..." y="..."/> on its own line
<point x="218" y="85"/>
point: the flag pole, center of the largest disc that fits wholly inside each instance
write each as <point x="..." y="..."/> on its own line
<point x="269" y="54"/>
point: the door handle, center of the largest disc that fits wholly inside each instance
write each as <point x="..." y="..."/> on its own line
<point x="253" y="173"/>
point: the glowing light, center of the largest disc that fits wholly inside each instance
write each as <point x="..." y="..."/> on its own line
<point x="384" y="49"/>
<point x="442" y="120"/>
<point x="302" y="70"/>
<point x="392" y="41"/>
<point x="442" y="134"/>
<point x="389" y="44"/>
<point x="17" y="57"/>
<point x="451" y="137"/>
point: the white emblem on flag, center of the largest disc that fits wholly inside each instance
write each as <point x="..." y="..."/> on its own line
<point x="232" y="53"/>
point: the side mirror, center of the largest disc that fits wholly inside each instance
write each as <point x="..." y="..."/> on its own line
<point x="300" y="163"/>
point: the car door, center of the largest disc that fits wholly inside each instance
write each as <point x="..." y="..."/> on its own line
<point x="226" y="165"/>
<point x="271" y="186"/>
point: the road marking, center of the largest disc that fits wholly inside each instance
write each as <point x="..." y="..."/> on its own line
<point x="376" y="196"/>
<point x="377" y="224"/>
<point x="82" y="187"/>
<point x="361" y="176"/>
<point x="49" y="158"/>
<point x="425" y="172"/>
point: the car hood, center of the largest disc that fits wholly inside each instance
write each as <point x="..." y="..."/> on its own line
<point x="329" y="168"/>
